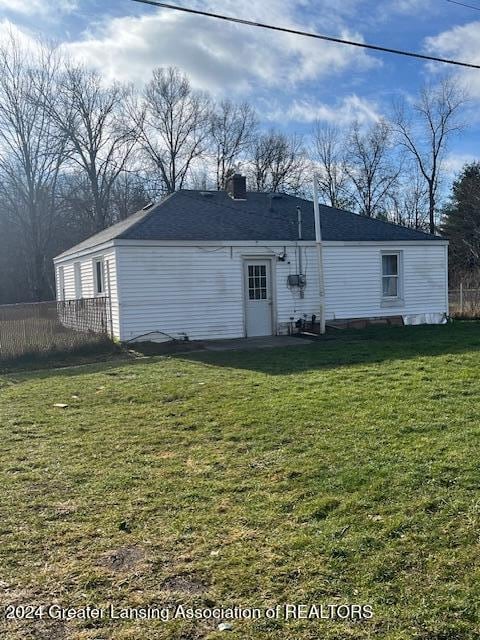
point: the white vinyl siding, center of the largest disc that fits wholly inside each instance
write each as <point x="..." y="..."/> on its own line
<point x="353" y="280"/>
<point x="77" y="268"/>
<point x="86" y="268"/>
<point x="199" y="292"/>
<point x="61" y="283"/>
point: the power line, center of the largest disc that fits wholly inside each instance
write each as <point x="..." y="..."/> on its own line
<point x="307" y="34"/>
<point x="463" y="4"/>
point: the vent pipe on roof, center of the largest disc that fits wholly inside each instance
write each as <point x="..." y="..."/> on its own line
<point x="299" y="221"/>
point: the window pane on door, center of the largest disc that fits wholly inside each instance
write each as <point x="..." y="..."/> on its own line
<point x="257" y="282"/>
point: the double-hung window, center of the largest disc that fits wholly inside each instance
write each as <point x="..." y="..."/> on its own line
<point x="99" y="276"/>
<point x="391" y="281"/>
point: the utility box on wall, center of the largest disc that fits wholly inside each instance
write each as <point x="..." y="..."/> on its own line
<point x="297" y="280"/>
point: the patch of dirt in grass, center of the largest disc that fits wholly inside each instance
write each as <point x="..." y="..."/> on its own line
<point x="64" y="509"/>
<point x="184" y="584"/>
<point x="43" y="630"/>
<point x="123" y="559"/>
<point x="161" y="348"/>
<point x="10" y="595"/>
<point x="46" y="487"/>
<point x="37" y="629"/>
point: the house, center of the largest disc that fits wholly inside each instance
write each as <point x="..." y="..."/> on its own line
<point x="227" y="264"/>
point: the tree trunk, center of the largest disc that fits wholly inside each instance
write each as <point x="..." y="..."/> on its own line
<point x="431" y="209"/>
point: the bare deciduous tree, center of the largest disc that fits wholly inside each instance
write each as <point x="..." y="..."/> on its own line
<point x="278" y="163"/>
<point x="77" y="154"/>
<point x="90" y="116"/>
<point x="233" y="128"/>
<point x="329" y="154"/>
<point x="407" y="205"/>
<point x="31" y="154"/>
<point x="426" y="130"/>
<point x="369" y="167"/>
<point x="129" y="194"/>
<point x="173" y="124"/>
<point x="415" y="200"/>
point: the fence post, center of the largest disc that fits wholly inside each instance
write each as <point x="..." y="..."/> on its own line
<point x="461" y="297"/>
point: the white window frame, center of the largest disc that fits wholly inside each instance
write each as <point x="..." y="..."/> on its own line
<point x="399" y="297"/>
<point x="77" y="272"/>
<point x="61" y="283"/>
<point x="102" y="292"/>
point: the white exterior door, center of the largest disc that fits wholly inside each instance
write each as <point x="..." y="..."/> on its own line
<point x="258" y="297"/>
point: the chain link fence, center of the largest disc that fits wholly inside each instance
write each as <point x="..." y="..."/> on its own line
<point x="464" y="302"/>
<point x="46" y="328"/>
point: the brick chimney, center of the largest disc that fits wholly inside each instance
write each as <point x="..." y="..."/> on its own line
<point x="236" y="187"/>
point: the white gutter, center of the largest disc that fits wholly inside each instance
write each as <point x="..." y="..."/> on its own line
<point x="318" y="241"/>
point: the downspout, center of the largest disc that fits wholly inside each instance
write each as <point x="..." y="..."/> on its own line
<point x="318" y="241"/>
<point x="300" y="238"/>
<point x="300" y="258"/>
<point x="110" y="319"/>
<point x="447" y="284"/>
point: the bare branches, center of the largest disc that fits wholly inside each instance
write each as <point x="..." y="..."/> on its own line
<point x="425" y="134"/>
<point x="172" y="125"/>
<point x="369" y="166"/>
<point x="77" y="153"/>
<point x="279" y="163"/>
<point x="99" y="142"/>
<point x="330" y="156"/>
<point x="31" y="151"/>
<point x="232" y="129"/>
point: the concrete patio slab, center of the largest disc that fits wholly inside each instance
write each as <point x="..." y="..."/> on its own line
<point x="248" y="344"/>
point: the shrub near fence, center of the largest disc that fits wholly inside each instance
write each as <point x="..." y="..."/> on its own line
<point x="44" y="328"/>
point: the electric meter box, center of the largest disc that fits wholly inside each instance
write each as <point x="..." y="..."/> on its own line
<point x="297" y="280"/>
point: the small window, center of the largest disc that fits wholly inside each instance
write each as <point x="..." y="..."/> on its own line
<point x="390" y="275"/>
<point x="61" y="283"/>
<point x="99" y="278"/>
<point x="78" y="280"/>
<point x="257" y="282"/>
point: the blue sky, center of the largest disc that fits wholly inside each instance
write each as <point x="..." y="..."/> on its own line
<point x="292" y="81"/>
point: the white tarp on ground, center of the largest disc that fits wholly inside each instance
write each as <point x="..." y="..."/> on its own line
<point x="425" y="318"/>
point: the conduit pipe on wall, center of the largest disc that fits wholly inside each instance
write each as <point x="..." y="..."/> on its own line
<point x="318" y="241"/>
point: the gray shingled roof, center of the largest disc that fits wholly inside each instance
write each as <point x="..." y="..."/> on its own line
<point x="214" y="216"/>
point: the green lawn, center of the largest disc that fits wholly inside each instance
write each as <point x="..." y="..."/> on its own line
<point x="346" y="471"/>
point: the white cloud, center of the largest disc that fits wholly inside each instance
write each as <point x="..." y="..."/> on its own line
<point x="9" y="30"/>
<point x="224" y="58"/>
<point x="461" y="43"/>
<point x="455" y="162"/>
<point x="350" y="109"/>
<point x="34" y="7"/>
<point x="410" y="6"/>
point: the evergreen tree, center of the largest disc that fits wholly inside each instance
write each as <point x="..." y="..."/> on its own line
<point x="461" y="220"/>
